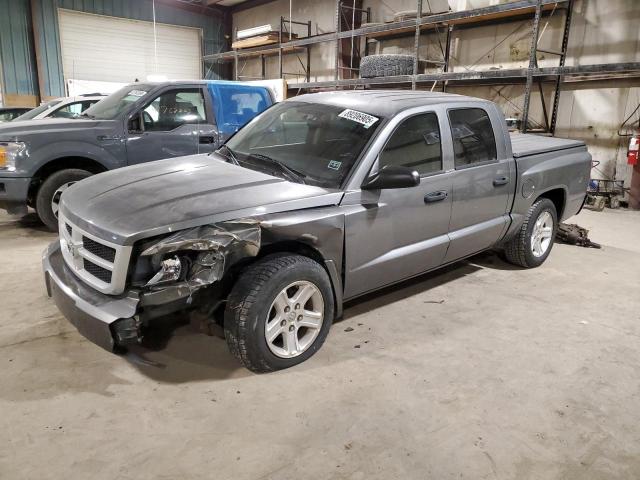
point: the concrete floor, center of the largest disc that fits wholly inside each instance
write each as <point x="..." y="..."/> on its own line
<point x="479" y="371"/>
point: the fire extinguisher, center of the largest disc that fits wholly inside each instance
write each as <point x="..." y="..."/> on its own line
<point x="632" y="153"/>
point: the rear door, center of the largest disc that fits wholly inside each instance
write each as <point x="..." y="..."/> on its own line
<point x="483" y="180"/>
<point x="175" y="122"/>
<point x="398" y="233"/>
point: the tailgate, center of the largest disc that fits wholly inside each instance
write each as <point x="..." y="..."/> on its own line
<point x="526" y="144"/>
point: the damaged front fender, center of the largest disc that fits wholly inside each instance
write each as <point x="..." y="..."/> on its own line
<point x="212" y="250"/>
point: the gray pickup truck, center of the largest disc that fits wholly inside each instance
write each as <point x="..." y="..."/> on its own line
<point x="318" y="200"/>
<point x="138" y="123"/>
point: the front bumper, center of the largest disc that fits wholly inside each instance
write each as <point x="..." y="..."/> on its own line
<point x="105" y="320"/>
<point x="13" y="194"/>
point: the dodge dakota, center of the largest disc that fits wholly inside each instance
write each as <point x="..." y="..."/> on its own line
<point x="138" y="123"/>
<point x="318" y="200"/>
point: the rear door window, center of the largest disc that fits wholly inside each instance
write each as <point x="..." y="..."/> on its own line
<point x="473" y="139"/>
<point x="236" y="105"/>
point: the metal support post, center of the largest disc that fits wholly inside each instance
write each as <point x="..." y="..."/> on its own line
<point x="532" y="65"/>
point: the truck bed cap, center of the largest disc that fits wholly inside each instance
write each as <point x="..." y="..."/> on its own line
<point x="525" y="144"/>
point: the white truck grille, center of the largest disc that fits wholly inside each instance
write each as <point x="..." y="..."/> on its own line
<point x="102" y="265"/>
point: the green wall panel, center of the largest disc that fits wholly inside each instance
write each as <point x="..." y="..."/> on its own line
<point x="16" y="40"/>
<point x="16" y="49"/>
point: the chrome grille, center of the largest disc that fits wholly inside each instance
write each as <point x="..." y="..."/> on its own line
<point x="99" y="263"/>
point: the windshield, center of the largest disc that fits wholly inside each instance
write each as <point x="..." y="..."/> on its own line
<point x="37" y="111"/>
<point x="311" y="143"/>
<point x="112" y="106"/>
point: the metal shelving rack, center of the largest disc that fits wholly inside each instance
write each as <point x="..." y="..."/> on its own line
<point x="518" y="10"/>
<point x="281" y="48"/>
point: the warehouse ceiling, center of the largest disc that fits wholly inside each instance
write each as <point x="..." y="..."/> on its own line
<point x="214" y="3"/>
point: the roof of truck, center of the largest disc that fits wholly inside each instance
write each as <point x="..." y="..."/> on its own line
<point x="195" y="82"/>
<point x="384" y="103"/>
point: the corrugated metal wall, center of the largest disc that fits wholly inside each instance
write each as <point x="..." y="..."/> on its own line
<point x="17" y="49"/>
<point x="20" y="81"/>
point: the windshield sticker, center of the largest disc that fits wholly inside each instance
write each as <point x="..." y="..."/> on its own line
<point x="137" y="93"/>
<point x="363" y="119"/>
<point x="334" y="165"/>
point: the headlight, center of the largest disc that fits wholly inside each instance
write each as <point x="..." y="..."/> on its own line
<point x="171" y="269"/>
<point x="9" y="151"/>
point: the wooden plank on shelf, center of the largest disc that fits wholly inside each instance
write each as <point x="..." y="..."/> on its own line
<point x="261" y="40"/>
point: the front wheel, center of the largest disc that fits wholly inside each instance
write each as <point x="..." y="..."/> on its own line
<point x="533" y="242"/>
<point x="49" y="193"/>
<point x="279" y="312"/>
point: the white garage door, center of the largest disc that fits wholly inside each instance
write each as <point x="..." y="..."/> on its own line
<point x="97" y="47"/>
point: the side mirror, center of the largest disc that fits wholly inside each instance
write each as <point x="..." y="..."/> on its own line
<point x="392" y="176"/>
<point x="135" y="124"/>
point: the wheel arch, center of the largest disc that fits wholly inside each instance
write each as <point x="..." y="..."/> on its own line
<point x="62" y="163"/>
<point x="558" y="197"/>
<point x="295" y="247"/>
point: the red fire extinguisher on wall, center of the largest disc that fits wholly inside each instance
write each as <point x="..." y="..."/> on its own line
<point x="634" y="147"/>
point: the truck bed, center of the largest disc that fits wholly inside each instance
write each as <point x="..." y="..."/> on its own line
<point x="524" y="144"/>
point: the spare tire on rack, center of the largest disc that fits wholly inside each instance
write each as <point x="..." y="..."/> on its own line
<point x="386" y="65"/>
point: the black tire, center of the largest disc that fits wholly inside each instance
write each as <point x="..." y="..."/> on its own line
<point x="519" y="250"/>
<point x="47" y="190"/>
<point x="386" y="65"/>
<point x="249" y="305"/>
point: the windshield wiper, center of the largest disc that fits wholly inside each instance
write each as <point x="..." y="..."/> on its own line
<point x="229" y="156"/>
<point x="291" y="172"/>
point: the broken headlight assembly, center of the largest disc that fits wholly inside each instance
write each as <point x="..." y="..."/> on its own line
<point x="170" y="270"/>
<point x="195" y="257"/>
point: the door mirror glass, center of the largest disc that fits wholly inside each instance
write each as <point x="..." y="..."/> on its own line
<point x="392" y="176"/>
<point x="135" y="124"/>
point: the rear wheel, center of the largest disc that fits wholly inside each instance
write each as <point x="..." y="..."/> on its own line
<point x="279" y="312"/>
<point x="533" y="242"/>
<point x="49" y="193"/>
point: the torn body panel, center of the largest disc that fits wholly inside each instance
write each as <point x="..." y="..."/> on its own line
<point x="208" y="252"/>
<point x="196" y="257"/>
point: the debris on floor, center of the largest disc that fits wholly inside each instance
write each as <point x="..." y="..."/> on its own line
<point x="575" y="235"/>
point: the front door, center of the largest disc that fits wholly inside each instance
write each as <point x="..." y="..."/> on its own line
<point x="173" y="124"/>
<point x="397" y="233"/>
<point x="482" y="183"/>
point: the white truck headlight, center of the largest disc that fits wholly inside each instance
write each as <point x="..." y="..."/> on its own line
<point x="9" y="151"/>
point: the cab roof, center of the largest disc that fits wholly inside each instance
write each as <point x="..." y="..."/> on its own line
<point x="383" y="103"/>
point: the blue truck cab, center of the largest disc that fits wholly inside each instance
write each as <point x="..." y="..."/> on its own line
<point x="139" y="123"/>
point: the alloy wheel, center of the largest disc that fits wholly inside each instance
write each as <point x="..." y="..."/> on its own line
<point x="294" y="319"/>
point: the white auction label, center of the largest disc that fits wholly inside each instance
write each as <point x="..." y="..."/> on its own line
<point x="363" y="119"/>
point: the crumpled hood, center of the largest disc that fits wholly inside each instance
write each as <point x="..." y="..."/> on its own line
<point x="22" y="130"/>
<point x="141" y="201"/>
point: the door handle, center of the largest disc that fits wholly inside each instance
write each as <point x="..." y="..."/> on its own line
<point x="435" y="196"/>
<point x="207" y="139"/>
<point x="500" y="181"/>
